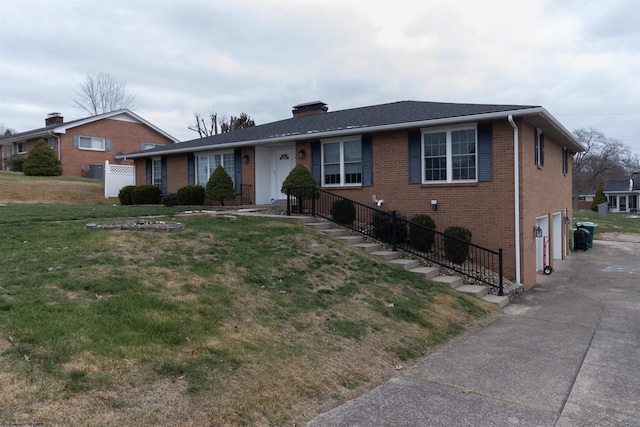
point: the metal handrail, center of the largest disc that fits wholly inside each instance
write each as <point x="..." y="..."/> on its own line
<point x="479" y="263"/>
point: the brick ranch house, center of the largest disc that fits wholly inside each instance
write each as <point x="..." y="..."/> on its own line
<point x="502" y="171"/>
<point x="83" y="145"/>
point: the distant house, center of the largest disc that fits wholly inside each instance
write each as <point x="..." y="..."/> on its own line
<point x="586" y="200"/>
<point x="83" y="145"/>
<point x="503" y="171"/>
<point x="623" y="194"/>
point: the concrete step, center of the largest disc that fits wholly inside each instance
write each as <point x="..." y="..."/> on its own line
<point x="497" y="300"/>
<point x="426" y="272"/>
<point x="335" y="232"/>
<point x="368" y="247"/>
<point x="407" y="264"/>
<point x="475" y="291"/>
<point x="450" y="281"/>
<point x="318" y="225"/>
<point x="352" y="240"/>
<point x="386" y="255"/>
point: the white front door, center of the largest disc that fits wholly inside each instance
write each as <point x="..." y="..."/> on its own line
<point x="283" y="161"/>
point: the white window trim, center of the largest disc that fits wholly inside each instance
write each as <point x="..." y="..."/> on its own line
<point x="104" y="143"/>
<point x="150" y="145"/>
<point x="448" y="130"/>
<point x="153" y="172"/>
<point x="212" y="153"/>
<point x="340" y="140"/>
<point x="18" y="145"/>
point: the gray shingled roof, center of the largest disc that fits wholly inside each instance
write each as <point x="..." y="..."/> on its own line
<point x="356" y="119"/>
<point x="621" y="185"/>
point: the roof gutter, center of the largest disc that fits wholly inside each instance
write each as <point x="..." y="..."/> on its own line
<point x="176" y="149"/>
<point x="516" y="192"/>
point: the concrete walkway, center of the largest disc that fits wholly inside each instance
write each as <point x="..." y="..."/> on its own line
<point x="566" y="353"/>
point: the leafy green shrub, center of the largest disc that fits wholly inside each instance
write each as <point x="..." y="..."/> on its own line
<point x="42" y="161"/>
<point x="125" y="195"/>
<point x="343" y="211"/>
<point x="220" y="186"/>
<point x="456" y="251"/>
<point x="421" y="238"/>
<point x="146" y="195"/>
<point x="383" y="227"/>
<point x="190" y="195"/>
<point x="15" y="162"/>
<point x="170" y="200"/>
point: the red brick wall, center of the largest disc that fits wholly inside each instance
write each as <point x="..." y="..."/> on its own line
<point x="125" y="137"/>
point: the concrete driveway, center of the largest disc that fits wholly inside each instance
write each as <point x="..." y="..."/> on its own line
<point x="566" y="353"/>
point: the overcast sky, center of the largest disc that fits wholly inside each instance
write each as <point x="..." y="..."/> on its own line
<point x="580" y="59"/>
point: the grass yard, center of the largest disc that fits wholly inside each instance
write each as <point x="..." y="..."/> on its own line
<point x="610" y="223"/>
<point x="233" y="321"/>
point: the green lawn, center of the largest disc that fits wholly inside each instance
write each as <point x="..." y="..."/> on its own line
<point x="233" y="321"/>
<point x="610" y="223"/>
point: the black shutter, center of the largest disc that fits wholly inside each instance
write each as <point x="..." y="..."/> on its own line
<point x="485" y="152"/>
<point x="237" y="158"/>
<point x="367" y="161"/>
<point x="163" y="173"/>
<point x="415" y="150"/>
<point x="149" y="172"/>
<point x="542" y="149"/>
<point x="316" y="161"/>
<point x="191" y="169"/>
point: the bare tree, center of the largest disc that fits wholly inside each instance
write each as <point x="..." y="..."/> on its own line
<point x="203" y="128"/>
<point x="209" y="128"/>
<point x="102" y="93"/>
<point x="603" y="158"/>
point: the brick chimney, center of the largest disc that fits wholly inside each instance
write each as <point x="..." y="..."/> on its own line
<point x="308" y="108"/>
<point x="54" y="119"/>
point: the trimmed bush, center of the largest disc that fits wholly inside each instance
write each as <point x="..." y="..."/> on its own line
<point x="190" y="195"/>
<point x="146" y="195"/>
<point x="343" y="211"/>
<point x="299" y="177"/>
<point x="456" y="251"/>
<point x="420" y="238"/>
<point x="383" y="227"/>
<point x="42" y="161"/>
<point x="16" y="161"/>
<point x="125" y="195"/>
<point x="170" y="200"/>
<point x="220" y="186"/>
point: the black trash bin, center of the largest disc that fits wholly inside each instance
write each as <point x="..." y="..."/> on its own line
<point x="581" y="239"/>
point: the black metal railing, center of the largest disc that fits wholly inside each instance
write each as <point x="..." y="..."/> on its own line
<point x="481" y="264"/>
<point x="245" y="194"/>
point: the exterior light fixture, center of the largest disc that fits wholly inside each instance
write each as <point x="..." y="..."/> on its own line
<point x="537" y="231"/>
<point x="245" y="158"/>
<point x="302" y="154"/>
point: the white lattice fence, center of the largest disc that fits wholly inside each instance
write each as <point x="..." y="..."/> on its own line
<point x="116" y="177"/>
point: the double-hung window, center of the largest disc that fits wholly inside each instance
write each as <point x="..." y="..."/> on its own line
<point x="207" y="163"/>
<point x="449" y="154"/>
<point x="342" y="162"/>
<point x="20" y="147"/>
<point x="538" y="137"/>
<point x="156" y="172"/>
<point x="91" y="143"/>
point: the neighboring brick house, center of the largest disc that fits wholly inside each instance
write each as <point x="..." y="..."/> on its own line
<point x="623" y="194"/>
<point x="83" y="145"/>
<point x="503" y="171"/>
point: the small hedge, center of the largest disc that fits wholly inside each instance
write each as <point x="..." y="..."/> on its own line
<point x="15" y="162"/>
<point x="125" y="195"/>
<point x="42" y="161"/>
<point x="170" y="200"/>
<point x="146" y="195"/>
<point x="190" y="195"/>
<point x="422" y="235"/>
<point x="383" y="227"/>
<point x="343" y="212"/>
<point x="456" y="251"/>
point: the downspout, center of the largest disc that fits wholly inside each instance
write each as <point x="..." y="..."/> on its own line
<point x="58" y="145"/>
<point x="516" y="193"/>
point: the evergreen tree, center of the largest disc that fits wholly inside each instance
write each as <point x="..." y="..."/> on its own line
<point x="220" y="186"/>
<point x="599" y="198"/>
<point x="42" y="161"/>
<point x="299" y="177"/>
